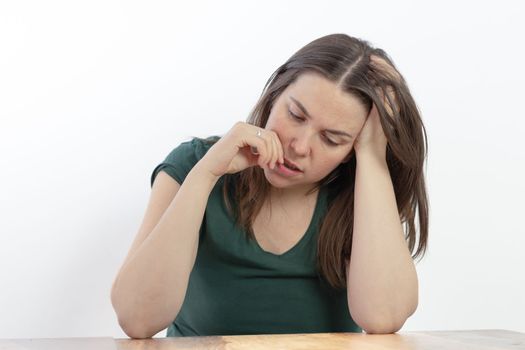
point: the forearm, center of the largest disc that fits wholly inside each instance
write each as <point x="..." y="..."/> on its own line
<point x="382" y="279"/>
<point x="149" y="290"/>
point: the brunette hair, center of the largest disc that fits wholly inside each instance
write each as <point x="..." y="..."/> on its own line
<point x="347" y="62"/>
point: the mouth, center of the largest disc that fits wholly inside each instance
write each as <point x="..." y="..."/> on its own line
<point x="291" y="165"/>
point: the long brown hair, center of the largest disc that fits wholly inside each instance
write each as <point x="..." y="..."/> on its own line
<point x="345" y="61"/>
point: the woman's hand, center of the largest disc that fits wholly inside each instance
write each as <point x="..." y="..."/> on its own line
<point x="234" y="151"/>
<point x="372" y="138"/>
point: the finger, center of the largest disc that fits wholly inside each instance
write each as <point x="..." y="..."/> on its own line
<point x="390" y="100"/>
<point x="264" y="148"/>
<point x="256" y="145"/>
<point x="280" y="151"/>
<point x="269" y="149"/>
<point x="381" y="64"/>
<point x="275" y="152"/>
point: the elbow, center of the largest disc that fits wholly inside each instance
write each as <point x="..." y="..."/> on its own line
<point x="380" y="326"/>
<point x="135" y="325"/>
<point x="141" y="325"/>
<point x="136" y="330"/>
<point x="382" y="319"/>
<point x="130" y="322"/>
<point x="384" y="323"/>
<point x="142" y="317"/>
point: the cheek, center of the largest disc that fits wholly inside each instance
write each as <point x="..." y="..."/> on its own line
<point x="328" y="164"/>
<point x="334" y="160"/>
<point x="271" y="118"/>
<point x="277" y="124"/>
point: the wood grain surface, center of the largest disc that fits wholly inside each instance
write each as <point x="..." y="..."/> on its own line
<point x="442" y="340"/>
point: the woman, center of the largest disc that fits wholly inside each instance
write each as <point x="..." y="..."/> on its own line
<point x="293" y="221"/>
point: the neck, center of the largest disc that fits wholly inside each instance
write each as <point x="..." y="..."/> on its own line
<point x="293" y="194"/>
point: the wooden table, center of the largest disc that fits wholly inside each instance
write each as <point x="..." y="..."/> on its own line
<point x="442" y="340"/>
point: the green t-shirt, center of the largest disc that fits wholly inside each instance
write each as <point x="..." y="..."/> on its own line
<point x="236" y="287"/>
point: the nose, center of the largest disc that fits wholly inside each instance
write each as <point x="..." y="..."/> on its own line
<point x="301" y="145"/>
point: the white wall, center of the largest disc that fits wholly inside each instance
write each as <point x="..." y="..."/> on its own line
<point x="94" y="94"/>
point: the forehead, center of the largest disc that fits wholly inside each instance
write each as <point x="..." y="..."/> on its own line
<point x="326" y="102"/>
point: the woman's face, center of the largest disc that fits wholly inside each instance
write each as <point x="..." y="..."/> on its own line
<point x="317" y="124"/>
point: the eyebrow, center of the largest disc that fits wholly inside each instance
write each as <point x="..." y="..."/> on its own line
<point x="331" y="131"/>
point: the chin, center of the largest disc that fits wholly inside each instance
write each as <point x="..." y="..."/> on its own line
<point x="274" y="179"/>
<point x="280" y="182"/>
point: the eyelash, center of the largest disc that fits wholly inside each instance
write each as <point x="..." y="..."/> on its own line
<point x="296" y="117"/>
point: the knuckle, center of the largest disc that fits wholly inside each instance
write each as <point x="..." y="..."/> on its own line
<point x="237" y="128"/>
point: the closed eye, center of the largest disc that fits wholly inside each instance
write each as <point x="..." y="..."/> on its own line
<point x="298" y="119"/>
<point x="295" y="116"/>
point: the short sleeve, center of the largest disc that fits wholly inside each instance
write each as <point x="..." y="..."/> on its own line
<point x="183" y="158"/>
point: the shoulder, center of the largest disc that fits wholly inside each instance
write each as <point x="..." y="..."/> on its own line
<point x="183" y="158"/>
<point x="200" y="146"/>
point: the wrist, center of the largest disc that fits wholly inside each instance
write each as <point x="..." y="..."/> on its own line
<point x="204" y="175"/>
<point x="369" y="153"/>
<point x="371" y="162"/>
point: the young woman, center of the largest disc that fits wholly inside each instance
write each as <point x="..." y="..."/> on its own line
<point x="301" y="219"/>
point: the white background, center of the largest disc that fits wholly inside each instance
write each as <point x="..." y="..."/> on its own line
<point x="93" y="95"/>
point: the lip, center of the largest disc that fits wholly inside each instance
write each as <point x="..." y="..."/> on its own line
<point x="292" y="163"/>
<point x="284" y="171"/>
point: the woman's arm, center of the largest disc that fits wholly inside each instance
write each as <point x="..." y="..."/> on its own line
<point x="149" y="289"/>
<point x="381" y="276"/>
<point x="382" y="279"/>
